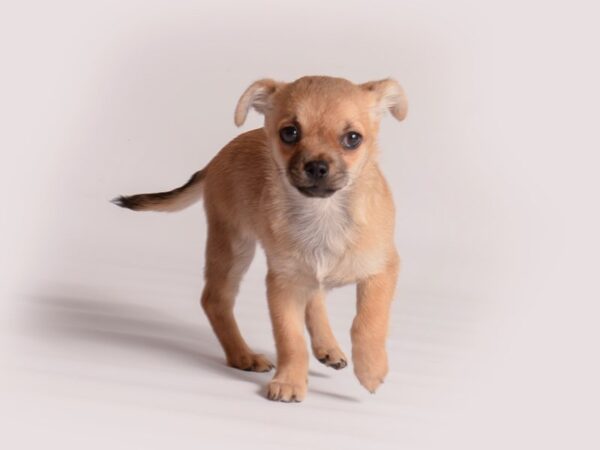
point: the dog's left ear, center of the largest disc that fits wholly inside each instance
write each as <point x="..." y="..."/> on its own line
<point x="388" y="95"/>
<point x="257" y="96"/>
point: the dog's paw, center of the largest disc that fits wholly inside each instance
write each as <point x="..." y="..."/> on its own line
<point x="285" y="391"/>
<point x="251" y="362"/>
<point x="370" y="367"/>
<point x="332" y="357"/>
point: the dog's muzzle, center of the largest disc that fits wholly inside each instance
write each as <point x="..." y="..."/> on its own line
<point x="316" y="191"/>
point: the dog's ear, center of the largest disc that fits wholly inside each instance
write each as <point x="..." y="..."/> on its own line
<point x="257" y="96"/>
<point x="388" y="95"/>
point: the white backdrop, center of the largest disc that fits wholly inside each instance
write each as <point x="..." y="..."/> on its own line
<point x="494" y="342"/>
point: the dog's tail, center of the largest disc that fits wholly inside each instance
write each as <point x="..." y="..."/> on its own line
<point x="170" y="201"/>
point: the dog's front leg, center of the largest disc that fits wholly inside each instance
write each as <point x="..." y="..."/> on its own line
<point x="324" y="344"/>
<point x="287" y="305"/>
<point x="370" y="326"/>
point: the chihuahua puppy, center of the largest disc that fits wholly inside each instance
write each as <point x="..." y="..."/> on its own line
<point x="307" y="187"/>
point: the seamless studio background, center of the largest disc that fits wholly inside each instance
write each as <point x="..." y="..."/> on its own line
<point x="494" y="341"/>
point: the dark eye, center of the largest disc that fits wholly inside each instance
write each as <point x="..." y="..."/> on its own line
<point x="351" y="140"/>
<point x="290" y="134"/>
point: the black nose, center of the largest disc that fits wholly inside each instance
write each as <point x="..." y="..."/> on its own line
<point x="316" y="170"/>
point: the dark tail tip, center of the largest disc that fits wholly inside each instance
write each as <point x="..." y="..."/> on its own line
<point x="125" y="202"/>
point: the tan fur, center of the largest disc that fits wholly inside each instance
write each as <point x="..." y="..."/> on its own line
<point x="312" y="244"/>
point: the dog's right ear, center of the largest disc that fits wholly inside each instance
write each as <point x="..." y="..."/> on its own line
<point x="257" y="96"/>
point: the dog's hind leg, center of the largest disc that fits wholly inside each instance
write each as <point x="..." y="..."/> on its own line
<point x="228" y="256"/>
<point x="324" y="344"/>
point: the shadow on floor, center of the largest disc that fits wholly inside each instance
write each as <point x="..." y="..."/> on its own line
<point x="63" y="320"/>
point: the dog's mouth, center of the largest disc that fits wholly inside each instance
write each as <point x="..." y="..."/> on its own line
<point x="316" y="191"/>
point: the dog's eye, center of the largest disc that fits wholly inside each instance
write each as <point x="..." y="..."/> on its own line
<point x="351" y="140"/>
<point x="289" y="135"/>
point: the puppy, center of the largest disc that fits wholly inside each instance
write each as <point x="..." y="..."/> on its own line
<point x="307" y="187"/>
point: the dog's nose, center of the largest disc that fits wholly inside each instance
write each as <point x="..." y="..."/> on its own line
<point x="316" y="170"/>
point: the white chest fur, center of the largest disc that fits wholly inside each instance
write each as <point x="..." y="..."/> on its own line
<point x="321" y="231"/>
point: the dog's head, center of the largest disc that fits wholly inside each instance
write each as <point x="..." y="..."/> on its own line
<point x="322" y="130"/>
